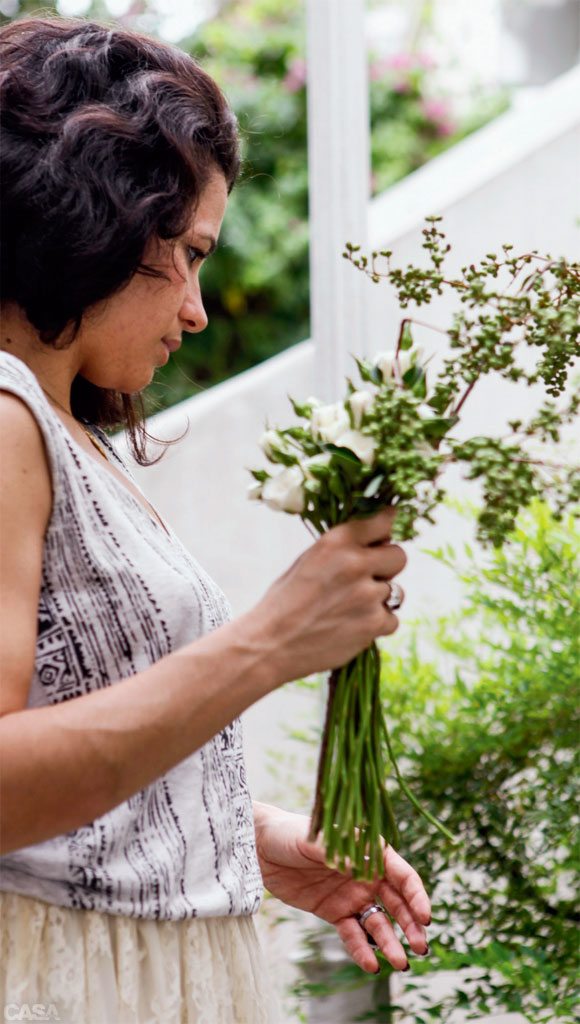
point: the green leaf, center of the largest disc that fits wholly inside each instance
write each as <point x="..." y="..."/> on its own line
<point x="416" y="381"/>
<point x="260" y="475"/>
<point x="435" y="429"/>
<point x="439" y="402"/>
<point x="406" y="341"/>
<point x="343" y="453"/>
<point x="301" y="409"/>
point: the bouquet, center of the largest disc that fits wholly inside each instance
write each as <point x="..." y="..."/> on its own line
<point x="389" y="442"/>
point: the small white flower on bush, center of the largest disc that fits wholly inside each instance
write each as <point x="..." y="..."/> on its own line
<point x="285" y="491"/>
<point x="329" y="421"/>
<point x="360" y="402"/>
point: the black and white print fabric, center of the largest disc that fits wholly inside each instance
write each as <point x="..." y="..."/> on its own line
<point x="118" y="593"/>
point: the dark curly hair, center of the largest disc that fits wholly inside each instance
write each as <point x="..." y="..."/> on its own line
<point x="108" y="139"/>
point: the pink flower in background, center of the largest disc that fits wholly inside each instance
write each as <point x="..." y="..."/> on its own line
<point x="296" y="77"/>
<point x="425" y="60"/>
<point x="438" y="112"/>
<point x="402" y="86"/>
<point x="378" y="70"/>
<point x="400" y="61"/>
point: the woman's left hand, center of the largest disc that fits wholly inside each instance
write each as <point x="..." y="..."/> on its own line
<point x="295" y="872"/>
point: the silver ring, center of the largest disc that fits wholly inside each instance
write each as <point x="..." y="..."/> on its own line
<point x="395" y="598"/>
<point x="375" y="909"/>
<point x="361" y="918"/>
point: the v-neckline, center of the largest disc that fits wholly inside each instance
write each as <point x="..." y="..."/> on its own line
<point x="137" y="495"/>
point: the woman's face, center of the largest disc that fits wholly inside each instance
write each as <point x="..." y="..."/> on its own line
<point x="123" y="339"/>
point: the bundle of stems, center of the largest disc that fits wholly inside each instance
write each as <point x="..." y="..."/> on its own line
<point x="352" y="770"/>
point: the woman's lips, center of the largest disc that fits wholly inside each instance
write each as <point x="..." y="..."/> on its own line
<point x="172" y="344"/>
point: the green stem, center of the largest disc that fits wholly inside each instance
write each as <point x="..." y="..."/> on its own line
<point x="413" y="799"/>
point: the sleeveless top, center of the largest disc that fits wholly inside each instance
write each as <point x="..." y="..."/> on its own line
<point x="117" y="594"/>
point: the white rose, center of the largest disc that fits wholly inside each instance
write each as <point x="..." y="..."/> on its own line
<point x="255" y="491"/>
<point x="312" y="483"/>
<point x="404" y="361"/>
<point x="384" y="362"/>
<point x="410" y="357"/>
<point x="328" y="421"/>
<point x="268" y="439"/>
<point x="361" y="444"/>
<point x="316" y="460"/>
<point x="284" y="492"/>
<point x="359" y="402"/>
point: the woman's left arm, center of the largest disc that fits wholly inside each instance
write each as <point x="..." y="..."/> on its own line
<point x="295" y="872"/>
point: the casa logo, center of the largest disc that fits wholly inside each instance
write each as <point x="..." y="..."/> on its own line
<point x="31" y="1011"/>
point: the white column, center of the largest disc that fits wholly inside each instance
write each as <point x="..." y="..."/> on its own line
<point x="339" y="180"/>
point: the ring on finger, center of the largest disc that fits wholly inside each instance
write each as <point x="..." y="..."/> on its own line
<point x="395" y="597"/>
<point x="361" y="918"/>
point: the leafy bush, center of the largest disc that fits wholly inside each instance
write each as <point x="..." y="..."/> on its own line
<point x="485" y="727"/>
<point x="489" y="735"/>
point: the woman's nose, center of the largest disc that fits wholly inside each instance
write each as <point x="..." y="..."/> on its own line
<point x="192" y="312"/>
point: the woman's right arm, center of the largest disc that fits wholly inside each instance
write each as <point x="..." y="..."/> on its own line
<point x="66" y="764"/>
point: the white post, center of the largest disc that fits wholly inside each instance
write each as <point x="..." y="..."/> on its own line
<point x="339" y="185"/>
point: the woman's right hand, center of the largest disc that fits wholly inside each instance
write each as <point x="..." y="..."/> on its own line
<point x="329" y="605"/>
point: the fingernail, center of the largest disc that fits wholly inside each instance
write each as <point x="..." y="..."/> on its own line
<point x="378" y="970"/>
<point x="407" y="967"/>
<point x="425" y="951"/>
<point x="429" y="921"/>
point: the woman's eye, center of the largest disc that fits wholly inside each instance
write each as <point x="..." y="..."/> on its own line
<point x="194" y="254"/>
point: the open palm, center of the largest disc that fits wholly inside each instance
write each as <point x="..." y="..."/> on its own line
<point x="295" y="872"/>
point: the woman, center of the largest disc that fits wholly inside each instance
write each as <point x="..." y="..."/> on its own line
<point x="133" y="858"/>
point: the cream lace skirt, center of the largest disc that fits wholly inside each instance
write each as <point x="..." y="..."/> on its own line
<point x="85" y="967"/>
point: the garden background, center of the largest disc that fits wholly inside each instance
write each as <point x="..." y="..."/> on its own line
<point x="485" y="695"/>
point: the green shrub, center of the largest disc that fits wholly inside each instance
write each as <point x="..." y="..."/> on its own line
<point x="485" y="727"/>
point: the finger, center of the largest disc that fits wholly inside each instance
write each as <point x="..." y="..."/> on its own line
<point x="372" y="529"/>
<point x="391" y="624"/>
<point x="386" y="561"/>
<point x="402" y="878"/>
<point x="379" y="927"/>
<point x="402" y="894"/>
<point x="397" y="908"/>
<point x="356" y="945"/>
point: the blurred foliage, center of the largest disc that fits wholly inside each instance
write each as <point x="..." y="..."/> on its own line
<point x="256" y="285"/>
<point x="486" y="731"/>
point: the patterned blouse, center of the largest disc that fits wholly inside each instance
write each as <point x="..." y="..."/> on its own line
<point x="118" y="593"/>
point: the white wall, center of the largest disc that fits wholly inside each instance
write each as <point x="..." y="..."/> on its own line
<point x="515" y="181"/>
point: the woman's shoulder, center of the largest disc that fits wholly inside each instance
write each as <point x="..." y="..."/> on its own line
<point x="26" y="500"/>
<point x="18" y="421"/>
<point x="16" y="375"/>
<point x="29" y="426"/>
